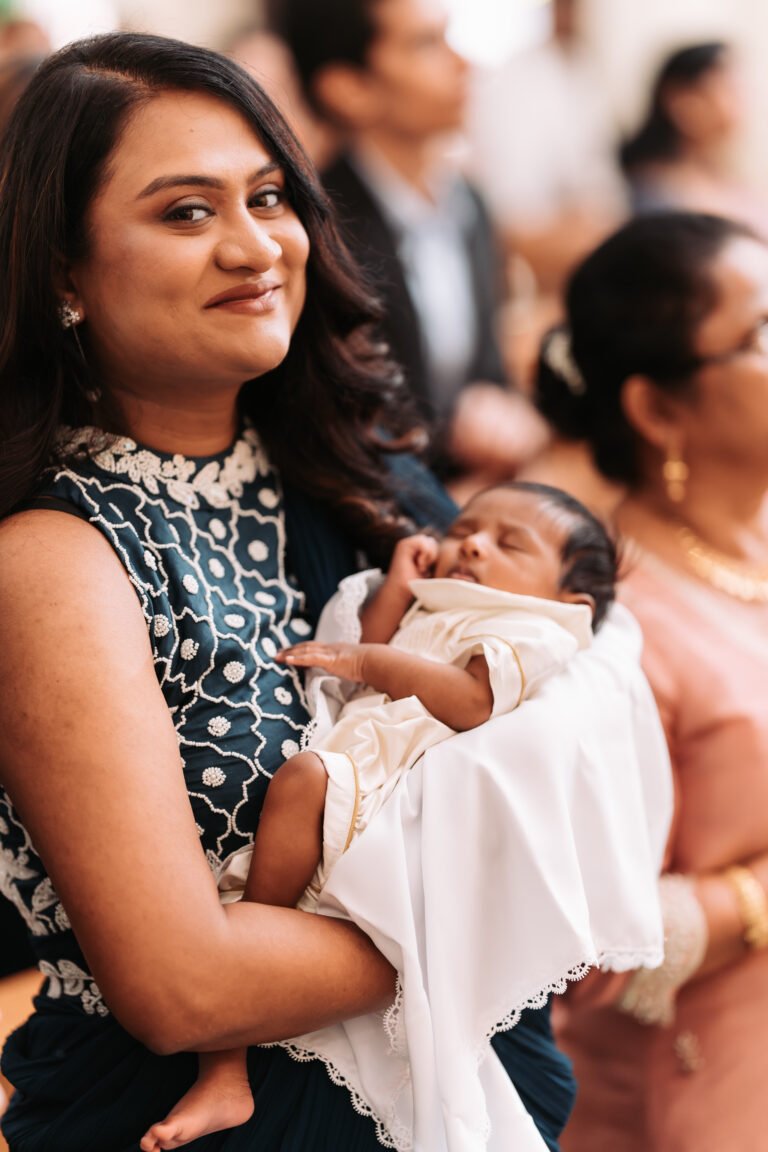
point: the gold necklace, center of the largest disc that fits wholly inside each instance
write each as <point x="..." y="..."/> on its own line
<point x="745" y="582"/>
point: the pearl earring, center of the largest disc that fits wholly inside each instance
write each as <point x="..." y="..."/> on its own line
<point x="69" y="317"/>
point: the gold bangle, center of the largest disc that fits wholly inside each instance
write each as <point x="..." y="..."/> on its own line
<point x="753" y="905"/>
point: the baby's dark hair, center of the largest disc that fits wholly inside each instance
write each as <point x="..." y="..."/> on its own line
<point x="589" y="554"/>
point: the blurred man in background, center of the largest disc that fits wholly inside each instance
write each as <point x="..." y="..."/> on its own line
<point x="384" y="75"/>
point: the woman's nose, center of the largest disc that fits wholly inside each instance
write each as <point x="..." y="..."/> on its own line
<point x="248" y="243"/>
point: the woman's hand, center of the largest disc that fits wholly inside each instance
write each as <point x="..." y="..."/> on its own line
<point x="343" y="660"/>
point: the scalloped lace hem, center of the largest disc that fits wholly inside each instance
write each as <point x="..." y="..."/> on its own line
<point x="353" y="592"/>
<point x="390" y="1132"/>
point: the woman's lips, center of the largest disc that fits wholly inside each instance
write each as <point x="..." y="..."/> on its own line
<point x="248" y="299"/>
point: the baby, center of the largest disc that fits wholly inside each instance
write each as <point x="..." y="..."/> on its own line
<point x="462" y="629"/>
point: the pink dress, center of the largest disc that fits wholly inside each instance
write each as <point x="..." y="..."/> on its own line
<point x="698" y="1085"/>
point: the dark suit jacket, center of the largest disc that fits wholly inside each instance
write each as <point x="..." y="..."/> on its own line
<point x="374" y="243"/>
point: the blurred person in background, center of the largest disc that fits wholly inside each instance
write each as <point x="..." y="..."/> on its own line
<point x="383" y="73"/>
<point x="682" y="155"/>
<point x="542" y="143"/>
<point x="269" y="59"/>
<point x="22" y="38"/>
<point x="15" y="73"/>
<point x="663" y="371"/>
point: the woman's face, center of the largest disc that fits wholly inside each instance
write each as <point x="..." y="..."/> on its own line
<point x="195" y="273"/>
<point x="725" y="419"/>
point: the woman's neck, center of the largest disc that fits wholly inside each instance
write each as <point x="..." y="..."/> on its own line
<point x="732" y="523"/>
<point x="191" y="425"/>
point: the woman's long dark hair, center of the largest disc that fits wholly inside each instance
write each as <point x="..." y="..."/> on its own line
<point x="326" y="414"/>
<point x="658" y="137"/>
<point x="633" y="307"/>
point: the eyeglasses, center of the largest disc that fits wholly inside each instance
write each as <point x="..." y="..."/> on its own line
<point x="756" y="341"/>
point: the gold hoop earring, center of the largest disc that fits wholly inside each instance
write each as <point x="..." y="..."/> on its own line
<point x="675" y="473"/>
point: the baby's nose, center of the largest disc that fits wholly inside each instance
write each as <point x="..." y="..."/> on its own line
<point x="473" y="545"/>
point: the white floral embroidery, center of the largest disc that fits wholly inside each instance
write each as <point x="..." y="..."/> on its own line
<point x="216" y="567"/>
<point x="258" y="551"/>
<point x="66" y="978"/>
<point x="289" y="748"/>
<point x="213" y="777"/>
<point x="216" y="482"/>
<point x="234" y="671"/>
<point x="301" y="628"/>
<point x="269" y="646"/>
<point x="149" y="560"/>
<point x="190" y="583"/>
<point x="219" y="726"/>
<point x="62" y="920"/>
<point x="218" y="529"/>
<point x="283" y="696"/>
<point x="234" y="620"/>
<point x="265" y="598"/>
<point x="189" y="649"/>
<point x="161" y="625"/>
<point x="269" y="497"/>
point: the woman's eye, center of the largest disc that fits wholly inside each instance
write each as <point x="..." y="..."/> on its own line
<point x="188" y="214"/>
<point x="268" y="198"/>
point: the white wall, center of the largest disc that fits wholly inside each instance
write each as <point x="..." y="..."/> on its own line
<point x="200" y="21"/>
<point x="630" y="36"/>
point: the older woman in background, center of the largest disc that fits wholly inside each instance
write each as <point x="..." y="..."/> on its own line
<point x="663" y="370"/>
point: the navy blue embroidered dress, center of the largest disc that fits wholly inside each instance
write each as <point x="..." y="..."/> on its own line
<point x="204" y="543"/>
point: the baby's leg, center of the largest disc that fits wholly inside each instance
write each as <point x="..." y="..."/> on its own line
<point x="286" y="854"/>
<point x="289" y="842"/>
<point x="220" y="1098"/>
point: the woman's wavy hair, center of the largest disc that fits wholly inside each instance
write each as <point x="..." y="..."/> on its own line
<point x="633" y="307"/>
<point x="658" y="137"/>
<point x="328" y="414"/>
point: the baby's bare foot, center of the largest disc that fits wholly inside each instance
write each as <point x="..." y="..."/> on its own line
<point x="214" y="1102"/>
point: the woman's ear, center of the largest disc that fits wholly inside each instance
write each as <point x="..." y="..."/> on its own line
<point x="652" y="413"/>
<point x="347" y="96"/>
<point x="70" y="303"/>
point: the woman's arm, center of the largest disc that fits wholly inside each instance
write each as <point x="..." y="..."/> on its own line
<point x="89" y="756"/>
<point x="462" y="698"/>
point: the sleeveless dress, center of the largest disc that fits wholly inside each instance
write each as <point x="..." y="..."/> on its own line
<point x="204" y="544"/>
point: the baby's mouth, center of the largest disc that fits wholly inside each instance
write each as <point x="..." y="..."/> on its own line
<point x="462" y="574"/>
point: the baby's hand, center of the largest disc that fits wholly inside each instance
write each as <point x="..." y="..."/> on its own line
<point x="344" y="660"/>
<point x="413" y="557"/>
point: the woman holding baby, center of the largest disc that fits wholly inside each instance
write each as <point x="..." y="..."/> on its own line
<point x="200" y="435"/>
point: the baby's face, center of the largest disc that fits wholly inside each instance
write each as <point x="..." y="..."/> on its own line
<point x="508" y="540"/>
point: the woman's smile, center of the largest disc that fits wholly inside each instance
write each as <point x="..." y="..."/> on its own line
<point x="251" y="299"/>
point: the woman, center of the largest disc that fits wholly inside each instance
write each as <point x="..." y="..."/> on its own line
<point x="173" y="291"/>
<point x="664" y="372"/>
<point x="681" y="155"/>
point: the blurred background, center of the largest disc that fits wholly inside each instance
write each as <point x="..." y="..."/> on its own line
<point x="625" y="39"/>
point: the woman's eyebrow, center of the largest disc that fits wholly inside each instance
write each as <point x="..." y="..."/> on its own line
<point x="198" y="181"/>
